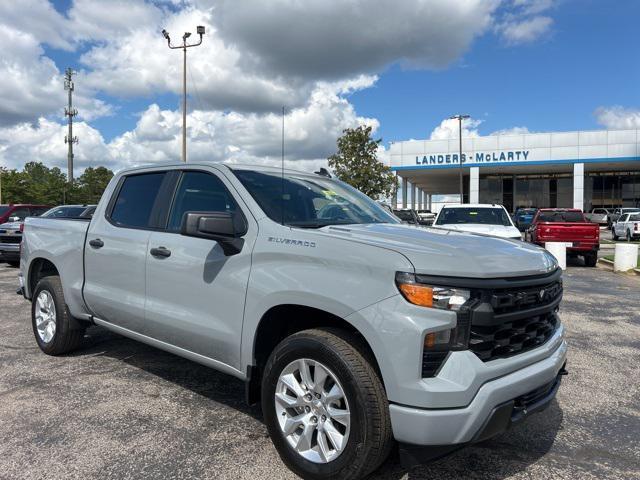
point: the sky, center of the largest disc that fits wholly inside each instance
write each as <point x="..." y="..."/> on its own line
<point x="401" y="67"/>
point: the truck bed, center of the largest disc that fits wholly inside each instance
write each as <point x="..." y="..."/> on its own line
<point x="60" y="240"/>
<point x="580" y="235"/>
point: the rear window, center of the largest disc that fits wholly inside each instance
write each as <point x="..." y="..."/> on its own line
<point x="477" y="216"/>
<point x="564" y="217"/>
<point x="404" y="215"/>
<point x="64" y="212"/>
<point x="635" y="218"/>
<point x="136" y="198"/>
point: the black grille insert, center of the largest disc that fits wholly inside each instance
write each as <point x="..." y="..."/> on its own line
<point x="510" y="338"/>
<point x="10" y="239"/>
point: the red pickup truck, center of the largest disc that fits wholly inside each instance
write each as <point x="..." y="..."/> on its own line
<point x="570" y="226"/>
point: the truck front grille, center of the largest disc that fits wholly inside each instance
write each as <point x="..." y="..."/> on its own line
<point x="10" y="238"/>
<point x="511" y="338"/>
<point x="512" y="321"/>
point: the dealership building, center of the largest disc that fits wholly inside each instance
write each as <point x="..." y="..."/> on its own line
<point x="585" y="170"/>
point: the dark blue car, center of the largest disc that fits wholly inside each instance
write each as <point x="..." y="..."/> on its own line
<point x="524" y="217"/>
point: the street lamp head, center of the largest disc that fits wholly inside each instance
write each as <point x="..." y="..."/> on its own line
<point x="165" y="34"/>
<point x="200" y="30"/>
<point x="186" y="35"/>
<point x="459" y="117"/>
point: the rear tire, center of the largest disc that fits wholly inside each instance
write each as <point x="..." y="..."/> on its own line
<point x="56" y="331"/>
<point x="367" y="440"/>
<point x="591" y="259"/>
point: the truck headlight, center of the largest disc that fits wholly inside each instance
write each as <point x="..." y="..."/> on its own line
<point x="433" y="296"/>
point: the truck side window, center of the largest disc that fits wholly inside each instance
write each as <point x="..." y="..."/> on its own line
<point x="199" y="192"/>
<point x="21" y="213"/>
<point x="136" y="199"/>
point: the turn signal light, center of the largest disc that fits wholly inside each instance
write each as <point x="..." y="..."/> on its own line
<point x="417" y="294"/>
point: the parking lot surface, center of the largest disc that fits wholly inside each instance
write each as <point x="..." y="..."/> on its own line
<point x="118" y="409"/>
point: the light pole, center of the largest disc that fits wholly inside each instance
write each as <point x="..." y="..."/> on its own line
<point x="184" y="46"/>
<point x="460" y="118"/>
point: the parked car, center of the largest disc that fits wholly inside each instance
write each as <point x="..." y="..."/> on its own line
<point x="523" y="217"/>
<point x="478" y="218"/>
<point x="11" y="232"/>
<point x="18" y="212"/>
<point x="615" y="215"/>
<point x="70" y="211"/>
<point x="599" y="216"/>
<point x="407" y="215"/>
<point x="426" y="217"/>
<point x="352" y="329"/>
<point x="567" y="225"/>
<point x="627" y="227"/>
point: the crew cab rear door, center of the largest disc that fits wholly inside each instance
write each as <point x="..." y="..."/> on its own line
<point x="196" y="293"/>
<point x="116" y="249"/>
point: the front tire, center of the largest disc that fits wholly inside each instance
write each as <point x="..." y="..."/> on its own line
<point x="56" y="331"/>
<point x="325" y="407"/>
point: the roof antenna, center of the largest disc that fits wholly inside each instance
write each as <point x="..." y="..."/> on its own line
<point x="282" y="178"/>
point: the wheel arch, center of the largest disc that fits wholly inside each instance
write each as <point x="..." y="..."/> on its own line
<point x="281" y="321"/>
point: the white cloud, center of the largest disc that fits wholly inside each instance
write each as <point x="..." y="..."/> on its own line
<point x="618" y="117"/>
<point x="450" y="128"/>
<point x="310" y="136"/>
<point x="525" y="31"/>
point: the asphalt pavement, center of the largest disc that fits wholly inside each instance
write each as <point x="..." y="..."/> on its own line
<point x="118" y="409"/>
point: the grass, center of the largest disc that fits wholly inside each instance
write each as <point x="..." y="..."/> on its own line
<point x="611" y="257"/>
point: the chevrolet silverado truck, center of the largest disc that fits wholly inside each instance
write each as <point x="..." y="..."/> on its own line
<point x="355" y="332"/>
<point x="568" y="226"/>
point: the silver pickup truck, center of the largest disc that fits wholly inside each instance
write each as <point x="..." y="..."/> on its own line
<point x="354" y="331"/>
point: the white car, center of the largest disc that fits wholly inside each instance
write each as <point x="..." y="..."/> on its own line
<point x="627" y="226"/>
<point x="478" y="218"/>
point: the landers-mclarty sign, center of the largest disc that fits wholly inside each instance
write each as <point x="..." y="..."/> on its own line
<point x="479" y="157"/>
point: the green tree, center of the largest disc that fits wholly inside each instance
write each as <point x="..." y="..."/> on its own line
<point x="356" y="163"/>
<point x="89" y="186"/>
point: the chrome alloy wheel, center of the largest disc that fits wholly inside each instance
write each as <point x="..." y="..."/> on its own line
<point x="45" y="316"/>
<point x="312" y="410"/>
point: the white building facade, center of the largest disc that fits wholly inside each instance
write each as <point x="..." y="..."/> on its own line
<point x="585" y="170"/>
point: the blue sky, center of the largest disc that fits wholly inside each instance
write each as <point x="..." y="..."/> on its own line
<point x="402" y="67"/>
<point x="590" y="59"/>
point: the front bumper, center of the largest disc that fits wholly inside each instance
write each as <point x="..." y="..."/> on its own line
<point x="459" y="426"/>
<point x="501" y="418"/>
<point x="10" y="251"/>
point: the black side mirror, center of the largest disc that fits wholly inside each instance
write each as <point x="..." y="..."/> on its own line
<point x="225" y="228"/>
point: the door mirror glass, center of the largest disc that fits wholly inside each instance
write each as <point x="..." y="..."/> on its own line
<point x="226" y="228"/>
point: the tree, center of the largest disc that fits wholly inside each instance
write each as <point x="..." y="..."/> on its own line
<point x="88" y="188"/>
<point x="356" y="163"/>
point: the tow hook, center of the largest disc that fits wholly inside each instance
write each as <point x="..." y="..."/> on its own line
<point x="563" y="371"/>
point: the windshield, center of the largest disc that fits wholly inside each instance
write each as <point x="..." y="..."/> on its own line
<point x="567" y="217"/>
<point x="309" y="201"/>
<point x="404" y="215"/>
<point x="4" y="209"/>
<point x="480" y="216"/>
<point x="64" y="212"/>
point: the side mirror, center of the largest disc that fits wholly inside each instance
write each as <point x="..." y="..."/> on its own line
<point x="225" y="228"/>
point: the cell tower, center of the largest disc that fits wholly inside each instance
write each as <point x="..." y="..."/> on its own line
<point x="70" y="112"/>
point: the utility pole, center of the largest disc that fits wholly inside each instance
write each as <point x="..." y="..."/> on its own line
<point x="184" y="46"/>
<point x="70" y="112"/>
<point x="460" y="118"/>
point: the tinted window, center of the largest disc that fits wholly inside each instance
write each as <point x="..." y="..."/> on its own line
<point x="199" y="192"/>
<point x="22" y="213"/>
<point x="137" y="196"/>
<point x="482" y="216"/>
<point x="404" y="215"/>
<point x="310" y="201"/>
<point x="634" y="218"/>
<point x="3" y="209"/>
<point x="64" y="212"/>
<point x="567" y="217"/>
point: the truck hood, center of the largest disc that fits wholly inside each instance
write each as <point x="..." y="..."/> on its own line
<point x="435" y="251"/>
<point x="495" y="230"/>
<point x="11" y="226"/>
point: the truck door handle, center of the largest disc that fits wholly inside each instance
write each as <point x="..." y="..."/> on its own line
<point x="96" y="243"/>
<point x="160" y="252"/>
